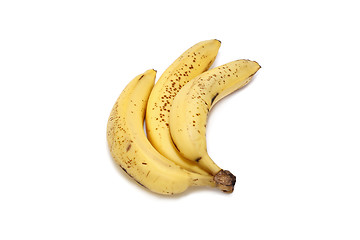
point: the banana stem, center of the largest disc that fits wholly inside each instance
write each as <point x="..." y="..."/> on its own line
<point x="225" y="181"/>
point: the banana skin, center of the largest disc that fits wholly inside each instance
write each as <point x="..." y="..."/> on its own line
<point x="194" y="61"/>
<point x="190" y="108"/>
<point x="173" y="156"/>
<point x="131" y="149"/>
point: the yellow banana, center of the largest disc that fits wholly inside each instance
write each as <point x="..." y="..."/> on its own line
<point x="134" y="153"/>
<point x="190" y="108"/>
<point x="190" y="64"/>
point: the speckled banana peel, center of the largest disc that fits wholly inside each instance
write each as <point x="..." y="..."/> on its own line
<point x="131" y="149"/>
<point x="188" y="65"/>
<point x="190" y="109"/>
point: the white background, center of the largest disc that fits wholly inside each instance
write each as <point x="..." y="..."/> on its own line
<point x="291" y="136"/>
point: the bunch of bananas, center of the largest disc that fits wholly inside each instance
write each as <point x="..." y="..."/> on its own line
<point x="173" y="155"/>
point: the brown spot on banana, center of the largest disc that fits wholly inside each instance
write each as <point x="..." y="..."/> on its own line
<point x="128" y="147"/>
<point x="209" y="65"/>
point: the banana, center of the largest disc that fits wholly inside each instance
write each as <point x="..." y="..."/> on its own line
<point x="190" y="108"/>
<point x="190" y="64"/>
<point x="134" y="153"/>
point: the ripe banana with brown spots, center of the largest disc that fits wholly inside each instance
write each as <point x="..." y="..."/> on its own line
<point x="134" y="153"/>
<point x="190" y="64"/>
<point x="190" y="108"/>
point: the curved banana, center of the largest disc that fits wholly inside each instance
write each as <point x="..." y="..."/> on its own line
<point x="190" y="64"/>
<point x="133" y="152"/>
<point x="190" y="108"/>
